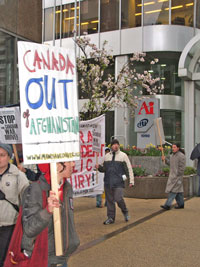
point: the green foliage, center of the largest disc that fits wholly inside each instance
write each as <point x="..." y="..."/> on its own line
<point x="150" y="150"/>
<point x="139" y="171"/>
<point x="189" y="171"/>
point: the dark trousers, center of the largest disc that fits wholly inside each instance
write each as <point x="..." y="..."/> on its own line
<point x="114" y="195"/>
<point x="5" y="236"/>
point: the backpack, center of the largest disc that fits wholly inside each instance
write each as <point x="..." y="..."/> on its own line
<point x="15" y="257"/>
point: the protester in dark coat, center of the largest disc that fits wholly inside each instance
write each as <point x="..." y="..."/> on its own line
<point x="35" y="218"/>
<point x="196" y="155"/>
<point x="117" y="168"/>
<point x="174" y="186"/>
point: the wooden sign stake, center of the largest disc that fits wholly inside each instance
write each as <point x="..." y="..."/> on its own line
<point x="16" y="154"/>
<point x="160" y="138"/>
<point x="56" y="213"/>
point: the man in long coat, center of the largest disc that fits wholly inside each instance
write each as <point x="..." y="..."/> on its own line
<point x="174" y="186"/>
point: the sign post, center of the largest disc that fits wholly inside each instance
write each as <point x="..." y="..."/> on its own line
<point x="49" y="111"/>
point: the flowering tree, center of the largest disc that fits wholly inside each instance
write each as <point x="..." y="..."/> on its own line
<point x="103" y="90"/>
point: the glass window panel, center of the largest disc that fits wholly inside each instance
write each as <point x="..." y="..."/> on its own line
<point x="156" y="12"/>
<point x="68" y="20"/>
<point x="89" y="16"/>
<point x="48" y="24"/>
<point x="172" y="125"/>
<point x="166" y="69"/>
<point x="182" y="12"/>
<point x="109" y="20"/>
<point x="198" y="15"/>
<point x="57" y="26"/>
<point x="131" y="13"/>
<point x="7" y="68"/>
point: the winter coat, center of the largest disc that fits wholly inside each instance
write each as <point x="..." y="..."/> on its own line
<point x="35" y="219"/>
<point x="177" y="167"/>
<point x="115" y="168"/>
<point x="12" y="184"/>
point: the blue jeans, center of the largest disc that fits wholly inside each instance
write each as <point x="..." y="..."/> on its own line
<point x="199" y="187"/>
<point x="179" y="199"/>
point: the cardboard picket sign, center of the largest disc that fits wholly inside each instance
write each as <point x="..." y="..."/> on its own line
<point x="49" y="111"/>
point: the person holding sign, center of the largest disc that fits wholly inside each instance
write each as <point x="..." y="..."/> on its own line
<point x="12" y="185"/>
<point x="36" y="217"/>
<point x="117" y="168"/>
<point x="174" y="186"/>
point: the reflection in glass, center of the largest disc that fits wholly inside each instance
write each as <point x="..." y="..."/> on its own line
<point x="156" y="12"/>
<point x="172" y="125"/>
<point x="198" y="15"/>
<point x="57" y="26"/>
<point x="7" y="68"/>
<point x="68" y="20"/>
<point x="48" y="24"/>
<point x="131" y="13"/>
<point x="89" y="16"/>
<point x="182" y="12"/>
<point x="109" y="20"/>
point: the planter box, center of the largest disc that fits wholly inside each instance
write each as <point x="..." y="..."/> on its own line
<point x="154" y="187"/>
<point x="152" y="165"/>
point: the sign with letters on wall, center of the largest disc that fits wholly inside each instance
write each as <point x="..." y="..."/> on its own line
<point x="48" y="100"/>
<point x="145" y="114"/>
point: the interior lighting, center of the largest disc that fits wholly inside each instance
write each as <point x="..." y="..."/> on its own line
<point x="189" y="4"/>
<point x="150" y="71"/>
<point x="146" y="4"/>
<point x="94" y="21"/>
<point x="161" y="1"/>
<point x="73" y="8"/>
<point x="70" y="18"/>
<point x="84" y="23"/>
<point x="138" y="14"/>
<point x="65" y="10"/>
<point x="152" y="11"/>
<point x="163" y="65"/>
<point x="163" y="78"/>
<point x="174" y="7"/>
<point x="58" y="11"/>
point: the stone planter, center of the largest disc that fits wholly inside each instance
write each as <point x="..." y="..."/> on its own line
<point x="154" y="187"/>
<point x="152" y="165"/>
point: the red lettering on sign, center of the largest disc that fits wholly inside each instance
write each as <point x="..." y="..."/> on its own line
<point x="88" y="178"/>
<point x="87" y="165"/>
<point x="90" y="138"/>
<point x="149" y="110"/>
<point x="81" y="181"/>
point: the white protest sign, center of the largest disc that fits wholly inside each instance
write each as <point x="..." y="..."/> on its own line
<point x="96" y="146"/>
<point x="10" y="125"/>
<point x="84" y="178"/>
<point x="48" y="98"/>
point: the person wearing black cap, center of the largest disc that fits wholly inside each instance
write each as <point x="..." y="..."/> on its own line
<point x="12" y="185"/>
<point x="117" y="168"/>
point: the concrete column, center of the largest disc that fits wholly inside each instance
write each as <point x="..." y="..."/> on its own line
<point x="189" y="124"/>
<point x="121" y="121"/>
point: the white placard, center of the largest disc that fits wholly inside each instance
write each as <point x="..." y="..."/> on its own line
<point x="10" y="125"/>
<point x="48" y="99"/>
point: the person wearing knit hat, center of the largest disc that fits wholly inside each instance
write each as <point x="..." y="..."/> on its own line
<point x="7" y="148"/>
<point x="12" y="185"/>
<point x="117" y="169"/>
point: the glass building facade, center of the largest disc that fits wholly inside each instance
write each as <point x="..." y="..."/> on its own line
<point x="161" y="28"/>
<point x="93" y="16"/>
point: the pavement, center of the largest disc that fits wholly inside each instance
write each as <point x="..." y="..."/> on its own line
<point x="152" y="237"/>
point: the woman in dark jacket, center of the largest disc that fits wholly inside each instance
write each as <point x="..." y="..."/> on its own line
<point x="174" y="186"/>
<point x="36" y="218"/>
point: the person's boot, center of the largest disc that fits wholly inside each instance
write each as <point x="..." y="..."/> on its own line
<point x="165" y="207"/>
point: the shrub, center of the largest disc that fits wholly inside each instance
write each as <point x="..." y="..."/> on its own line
<point x="189" y="171"/>
<point x="139" y="171"/>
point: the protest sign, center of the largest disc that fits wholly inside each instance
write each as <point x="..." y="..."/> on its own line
<point x="84" y="179"/>
<point x="48" y="99"/>
<point x="10" y="125"/>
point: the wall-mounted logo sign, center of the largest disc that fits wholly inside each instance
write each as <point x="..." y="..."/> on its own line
<point x="142" y="123"/>
<point x="146" y="112"/>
